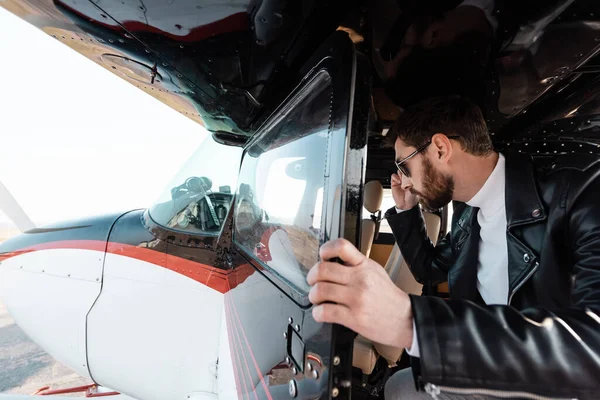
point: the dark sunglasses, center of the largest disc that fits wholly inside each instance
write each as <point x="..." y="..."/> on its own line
<point x="400" y="163"/>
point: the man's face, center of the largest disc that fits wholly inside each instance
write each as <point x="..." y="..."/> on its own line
<point x="434" y="188"/>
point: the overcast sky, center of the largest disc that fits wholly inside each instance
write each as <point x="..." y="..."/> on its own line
<point x="76" y="140"/>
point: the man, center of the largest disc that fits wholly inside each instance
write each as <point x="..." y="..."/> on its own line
<point x="522" y="261"/>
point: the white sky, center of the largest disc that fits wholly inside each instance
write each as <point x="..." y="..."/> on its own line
<point x="76" y="140"/>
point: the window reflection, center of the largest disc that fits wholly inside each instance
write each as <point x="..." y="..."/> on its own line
<point x="199" y="197"/>
<point x="279" y="206"/>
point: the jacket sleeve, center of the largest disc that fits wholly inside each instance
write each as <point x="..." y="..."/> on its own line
<point x="554" y="352"/>
<point x="426" y="261"/>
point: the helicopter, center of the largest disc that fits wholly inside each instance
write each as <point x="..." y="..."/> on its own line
<point x="203" y="295"/>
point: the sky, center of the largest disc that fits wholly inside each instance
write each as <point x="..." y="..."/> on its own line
<point x="76" y="140"/>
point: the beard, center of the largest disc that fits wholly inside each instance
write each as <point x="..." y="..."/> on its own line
<point x="438" y="189"/>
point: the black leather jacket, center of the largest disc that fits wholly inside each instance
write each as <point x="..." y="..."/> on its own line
<point x="547" y="340"/>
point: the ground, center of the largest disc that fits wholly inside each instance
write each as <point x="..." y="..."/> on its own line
<point x="25" y="367"/>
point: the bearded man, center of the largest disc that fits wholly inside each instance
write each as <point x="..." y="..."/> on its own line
<point x="522" y="262"/>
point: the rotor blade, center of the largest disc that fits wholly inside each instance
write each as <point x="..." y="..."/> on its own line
<point x="13" y="210"/>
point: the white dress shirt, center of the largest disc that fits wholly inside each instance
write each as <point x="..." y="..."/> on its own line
<point x="492" y="264"/>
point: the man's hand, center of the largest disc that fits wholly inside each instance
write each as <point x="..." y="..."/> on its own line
<point x="360" y="296"/>
<point x="404" y="199"/>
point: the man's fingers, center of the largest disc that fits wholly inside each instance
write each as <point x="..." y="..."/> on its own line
<point x="333" y="314"/>
<point x="329" y="292"/>
<point x="343" y="249"/>
<point x="328" y="272"/>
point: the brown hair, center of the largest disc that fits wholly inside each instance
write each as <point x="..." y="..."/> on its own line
<point x="450" y="115"/>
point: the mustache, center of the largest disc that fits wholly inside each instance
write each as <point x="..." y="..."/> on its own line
<point x="416" y="192"/>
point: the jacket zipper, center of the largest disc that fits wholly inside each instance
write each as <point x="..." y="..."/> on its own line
<point x="535" y="268"/>
<point x="459" y="244"/>
<point x="434" y="391"/>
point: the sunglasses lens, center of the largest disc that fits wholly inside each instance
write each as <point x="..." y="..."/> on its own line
<point x="404" y="170"/>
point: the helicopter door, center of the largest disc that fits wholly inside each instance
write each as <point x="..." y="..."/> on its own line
<point x="299" y="186"/>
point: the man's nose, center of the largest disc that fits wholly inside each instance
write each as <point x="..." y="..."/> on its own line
<point x="406" y="182"/>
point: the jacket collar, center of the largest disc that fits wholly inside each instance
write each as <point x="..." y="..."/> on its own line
<point x="523" y="203"/>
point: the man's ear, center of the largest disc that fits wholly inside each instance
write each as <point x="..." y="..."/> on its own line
<point x="442" y="147"/>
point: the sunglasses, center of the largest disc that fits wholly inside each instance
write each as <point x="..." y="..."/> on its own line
<point x="400" y="164"/>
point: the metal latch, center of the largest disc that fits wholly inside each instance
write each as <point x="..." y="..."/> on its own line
<point x="295" y="347"/>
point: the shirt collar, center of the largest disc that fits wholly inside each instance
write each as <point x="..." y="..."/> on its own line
<point x="490" y="198"/>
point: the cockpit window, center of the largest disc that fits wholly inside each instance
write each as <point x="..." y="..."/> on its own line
<point x="285" y="186"/>
<point x="199" y="197"/>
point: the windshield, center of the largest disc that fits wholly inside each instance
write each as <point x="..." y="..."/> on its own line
<point x="199" y="197"/>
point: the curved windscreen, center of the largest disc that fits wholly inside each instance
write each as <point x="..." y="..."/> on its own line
<point x="199" y="197"/>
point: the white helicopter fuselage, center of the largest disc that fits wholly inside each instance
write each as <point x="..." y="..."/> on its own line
<point x="121" y="318"/>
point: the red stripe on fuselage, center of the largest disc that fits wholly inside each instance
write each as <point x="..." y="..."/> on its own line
<point x="212" y="277"/>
